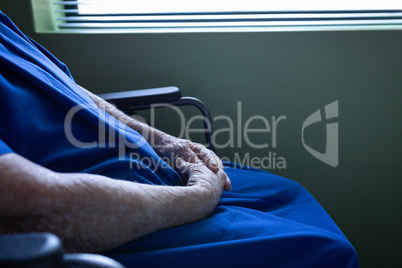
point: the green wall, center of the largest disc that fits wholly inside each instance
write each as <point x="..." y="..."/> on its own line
<point x="273" y="74"/>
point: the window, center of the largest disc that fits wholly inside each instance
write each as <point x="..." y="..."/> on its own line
<point x="94" y="7"/>
<point x="162" y="14"/>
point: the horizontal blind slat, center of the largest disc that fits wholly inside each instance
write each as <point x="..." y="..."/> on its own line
<point x="223" y="24"/>
<point x="250" y="17"/>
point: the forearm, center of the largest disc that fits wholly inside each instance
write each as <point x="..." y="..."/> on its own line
<point x="91" y="212"/>
<point x="153" y="136"/>
<point x="105" y="213"/>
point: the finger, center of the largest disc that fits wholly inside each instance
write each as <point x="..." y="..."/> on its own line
<point x="185" y="151"/>
<point x="193" y="157"/>
<point x="208" y="157"/>
<point x="228" y="185"/>
<point x="224" y="180"/>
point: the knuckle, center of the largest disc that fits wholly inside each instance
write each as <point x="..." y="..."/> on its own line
<point x="181" y="146"/>
<point x="196" y="144"/>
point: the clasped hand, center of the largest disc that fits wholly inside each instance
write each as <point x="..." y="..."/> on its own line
<point x="194" y="162"/>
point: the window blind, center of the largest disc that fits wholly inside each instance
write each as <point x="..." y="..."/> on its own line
<point x="95" y="14"/>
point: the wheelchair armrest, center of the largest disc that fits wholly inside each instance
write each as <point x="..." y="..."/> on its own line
<point x="45" y="250"/>
<point x="31" y="250"/>
<point x="142" y="97"/>
<point x="130" y="101"/>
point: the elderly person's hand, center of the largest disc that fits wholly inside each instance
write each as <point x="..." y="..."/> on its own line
<point x="204" y="180"/>
<point x="171" y="148"/>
